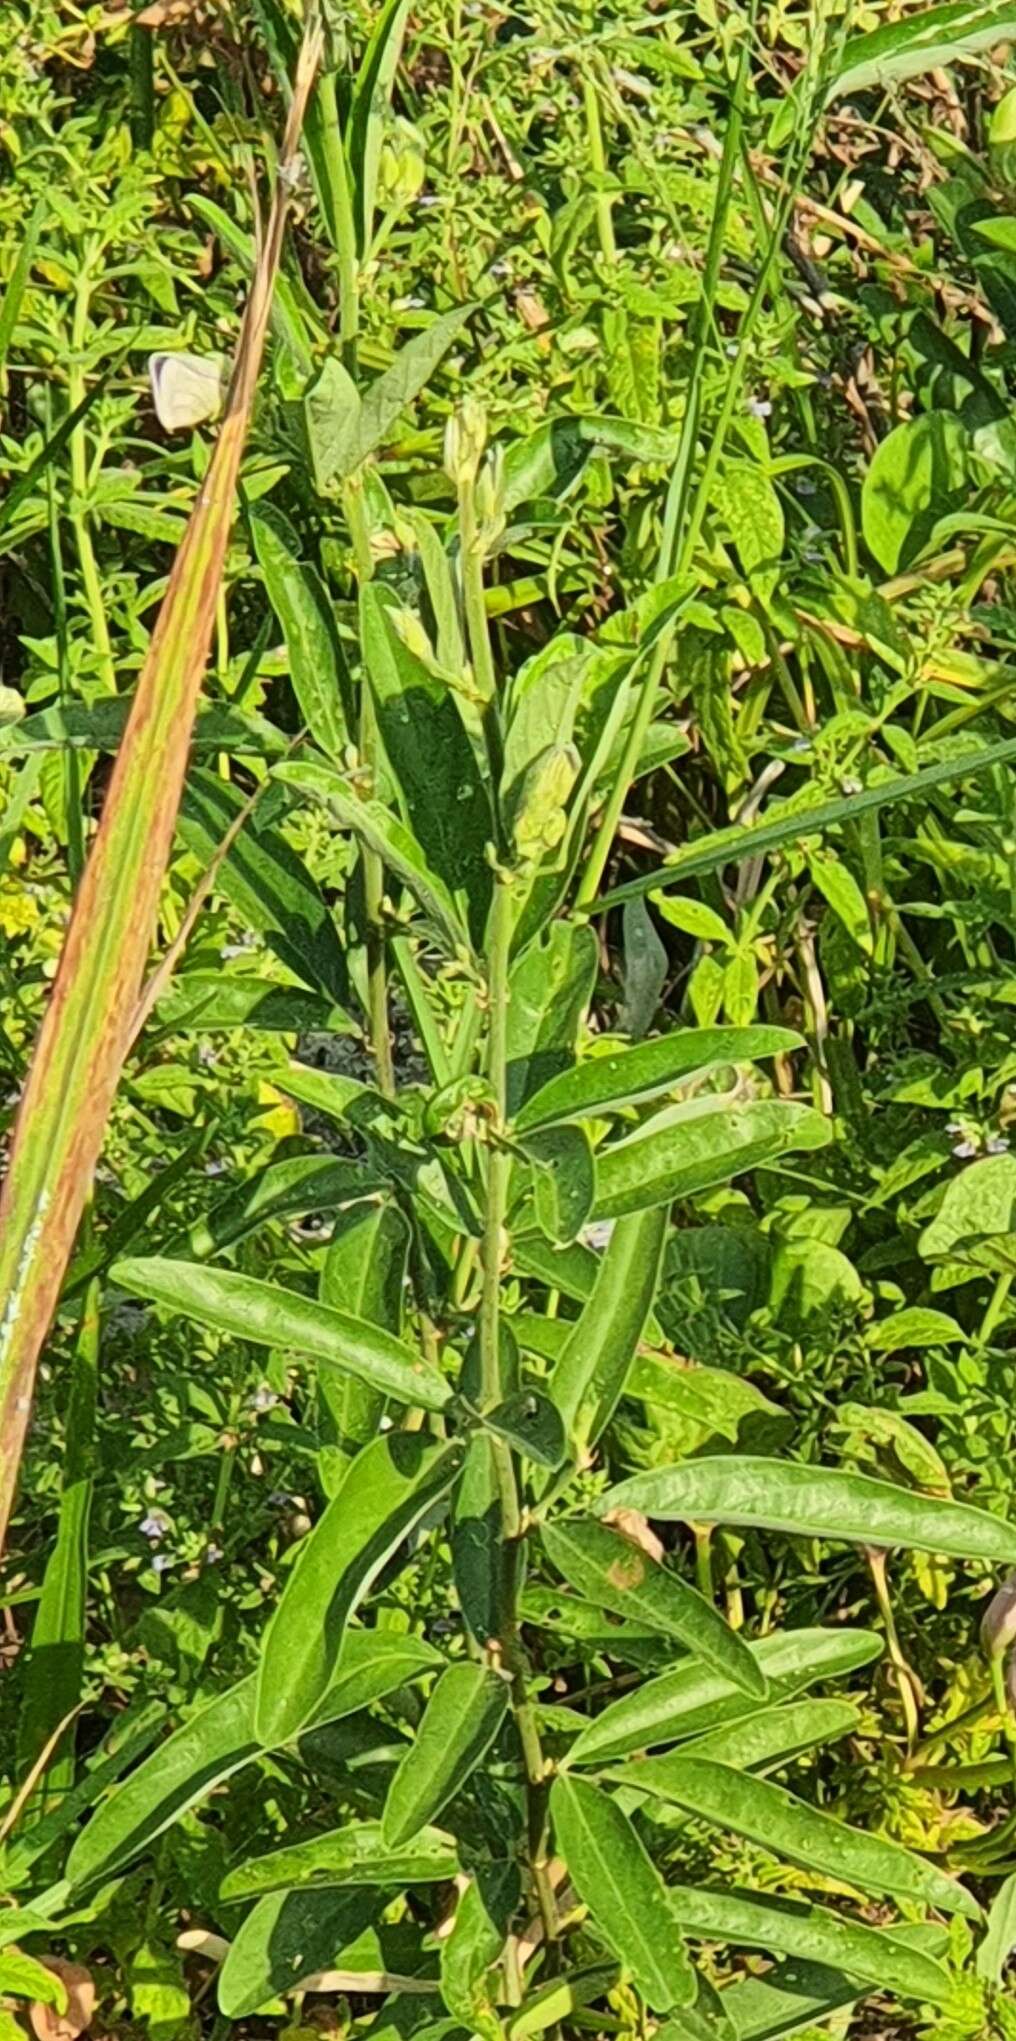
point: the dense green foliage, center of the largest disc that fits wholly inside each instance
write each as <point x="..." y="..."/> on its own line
<point x="524" y="1454"/>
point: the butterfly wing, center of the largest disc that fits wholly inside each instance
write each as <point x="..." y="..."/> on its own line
<point x="186" y="389"/>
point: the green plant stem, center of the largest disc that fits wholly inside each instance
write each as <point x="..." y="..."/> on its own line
<point x="598" y="165"/>
<point x="373" y="871"/>
<point x="73" y="790"/>
<point x="996" y="1305"/>
<point x="78" y="450"/>
<point x="498" y="1160"/>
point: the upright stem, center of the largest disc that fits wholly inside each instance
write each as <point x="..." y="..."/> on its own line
<point x="498" y="1162"/>
<point x="373" y="870"/>
<point x="598" y="165"/>
<point x="90" y="576"/>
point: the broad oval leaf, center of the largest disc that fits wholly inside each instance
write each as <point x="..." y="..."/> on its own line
<point x="615" y="1876"/>
<point x="874" y="1957"/>
<point x="616" y="1574"/>
<point x="355" y="1855"/>
<point x="917" y="474"/>
<point x="766" y="1813"/>
<point x="384" y="1492"/>
<point x="267" y="1315"/>
<point x="815" y="1502"/>
<point x="221" y="1738"/>
<point x="691" y="1699"/>
<point x="459" y="1724"/>
<point x="700" y="1144"/>
<point x="630" y="1076"/>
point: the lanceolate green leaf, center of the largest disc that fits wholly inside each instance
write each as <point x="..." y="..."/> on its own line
<point x="221" y="1738"/>
<point x="57" y="1655"/>
<point x="700" y="1144"/>
<point x="616" y="1574"/>
<point x="442" y="793"/>
<point x="792" y="823"/>
<point x="364" y="1273"/>
<point x="630" y="1076"/>
<point x="389" y="1486"/>
<point x="288" y="1936"/>
<point x="921" y="42"/>
<point x="459" y="1724"/>
<point x="356" y="1855"/>
<point x="589" y="1377"/>
<point x="298" y="597"/>
<point x="816" y="1502"/>
<point x="618" y="1881"/>
<point x="267" y="1315"/>
<point x="813" y="1933"/>
<point x="382" y="832"/>
<point x="691" y="1699"/>
<point x="371" y="98"/>
<point x="766" y="1813"/>
<point x="774" y="1734"/>
<point x="549" y="989"/>
<point x="269" y="884"/>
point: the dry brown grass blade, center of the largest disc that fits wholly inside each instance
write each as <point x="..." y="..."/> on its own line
<point x="86" y="1030"/>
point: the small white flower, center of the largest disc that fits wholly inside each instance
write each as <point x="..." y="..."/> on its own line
<point x="996" y="1145"/>
<point x="964" y="1150"/>
<point x="213" y="1554"/>
<point x="263" y="1398"/>
<point x="760" y="407"/>
<point x="162" y="1562"/>
<point x="153" y="1527"/>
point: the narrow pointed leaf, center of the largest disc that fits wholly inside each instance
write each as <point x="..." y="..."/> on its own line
<point x="612" y="1572"/>
<point x="811" y="1932"/>
<point x="459" y="1724"/>
<point x="815" y="1502"/>
<point x="383" y="833"/>
<point x="630" y="1076"/>
<point x="288" y="1936"/>
<point x="690" y="1699"/>
<point x="766" y="1813"/>
<point x="589" y="1377"/>
<point x="221" y="1738"/>
<point x="301" y="603"/>
<point x="88" y="1024"/>
<point x="711" y="1142"/>
<point x="384" y="1493"/>
<point x="364" y="1273"/>
<point x="774" y="1734"/>
<point x="356" y="1855"/>
<point x="267" y="1315"/>
<point x="618" y="1881"/>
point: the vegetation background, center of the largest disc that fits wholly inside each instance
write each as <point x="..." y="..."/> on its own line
<point x="576" y="1054"/>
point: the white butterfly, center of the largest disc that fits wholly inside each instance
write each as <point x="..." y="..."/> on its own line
<point x="187" y="388"/>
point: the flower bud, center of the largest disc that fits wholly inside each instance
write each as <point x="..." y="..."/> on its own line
<point x="998" y="1623"/>
<point x="465" y="439"/>
<point x="402" y="166"/>
<point x="539" y="810"/>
